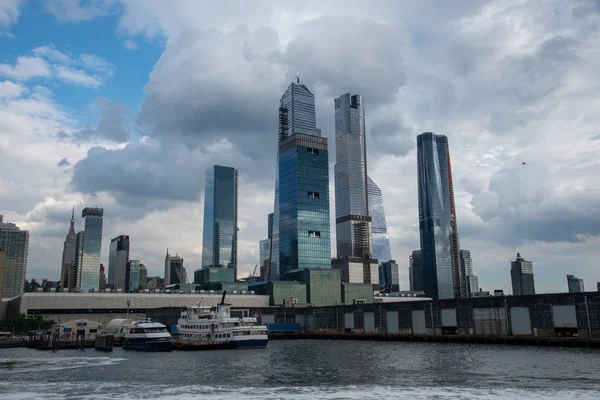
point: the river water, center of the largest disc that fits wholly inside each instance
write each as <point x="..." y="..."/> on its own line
<point x="306" y="370"/>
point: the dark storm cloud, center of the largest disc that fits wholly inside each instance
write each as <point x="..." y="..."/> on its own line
<point x="63" y="163"/>
<point x="114" y="116"/>
<point x="586" y="8"/>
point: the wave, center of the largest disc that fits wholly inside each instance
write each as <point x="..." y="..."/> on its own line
<point x="25" y="365"/>
<point x="95" y="390"/>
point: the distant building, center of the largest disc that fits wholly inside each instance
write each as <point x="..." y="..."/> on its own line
<point x="2" y="271"/>
<point x="265" y="251"/>
<point x="389" y="280"/>
<point x="132" y="276"/>
<point x="143" y="277"/>
<point x="575" y="284"/>
<point x="598" y="286"/>
<point x="174" y="270"/>
<point x="415" y="272"/>
<point x="68" y="255"/>
<point x="15" y="244"/>
<point x="381" y="240"/>
<point x="521" y="274"/>
<point x="117" y="261"/>
<point x="155" y="282"/>
<point x="102" y="279"/>
<point x="219" y="245"/>
<point x="88" y="251"/>
<point x="437" y="219"/>
<point x="323" y="286"/>
<point x="469" y="281"/>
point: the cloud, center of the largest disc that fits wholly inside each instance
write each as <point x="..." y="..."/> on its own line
<point x="9" y="14"/>
<point x="98" y="64"/>
<point x="25" y="68"/>
<point x="113" y="125"/>
<point x="77" y="76"/>
<point x="79" y="10"/>
<point x="50" y="53"/>
<point x="10" y="89"/>
<point x="63" y="163"/>
<point x="130" y="45"/>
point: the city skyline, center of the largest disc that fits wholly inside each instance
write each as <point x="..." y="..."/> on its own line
<point x="133" y="131"/>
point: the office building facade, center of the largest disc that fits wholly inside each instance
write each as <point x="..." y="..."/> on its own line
<point x="89" y="250"/>
<point x="301" y="231"/>
<point x="2" y="271"/>
<point x="132" y="276"/>
<point x="102" y="278"/>
<point x="117" y="261"/>
<point x="15" y="243"/>
<point x="469" y="280"/>
<point x="437" y="219"/>
<point x="389" y="277"/>
<point x="381" y="240"/>
<point x="143" y="277"/>
<point x="68" y="254"/>
<point x="521" y="274"/>
<point x="575" y="284"/>
<point x="219" y="243"/>
<point x="265" y="251"/>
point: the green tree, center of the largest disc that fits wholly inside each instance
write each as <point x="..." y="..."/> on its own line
<point x="22" y="323"/>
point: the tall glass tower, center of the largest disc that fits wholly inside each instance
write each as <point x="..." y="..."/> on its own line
<point x="15" y="244"/>
<point x="353" y="223"/>
<point x="301" y="233"/>
<point x="88" y="250"/>
<point x="437" y="219"/>
<point x="219" y="243"/>
<point x="117" y="261"/>
<point x="381" y="240"/>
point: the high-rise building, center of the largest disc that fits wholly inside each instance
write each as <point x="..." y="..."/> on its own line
<point x="353" y="223"/>
<point x="575" y="284"/>
<point x="437" y="219"/>
<point x="132" y="276"/>
<point x="389" y="279"/>
<point x="2" y="271"/>
<point x="68" y="255"/>
<point x="381" y="240"/>
<point x="15" y="244"/>
<point x="174" y="270"/>
<point x="265" y="251"/>
<point x="301" y="231"/>
<point x="102" y="278"/>
<point x="415" y="272"/>
<point x="469" y="280"/>
<point x="143" y="277"/>
<point x="521" y="274"/>
<point x="88" y="250"/>
<point x="219" y="246"/>
<point x="117" y="261"/>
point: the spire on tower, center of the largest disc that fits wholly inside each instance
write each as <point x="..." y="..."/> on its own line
<point x="72" y="227"/>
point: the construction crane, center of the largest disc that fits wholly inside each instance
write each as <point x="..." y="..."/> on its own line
<point x="254" y="274"/>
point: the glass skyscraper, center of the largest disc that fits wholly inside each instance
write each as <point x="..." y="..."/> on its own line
<point x="132" y="276"/>
<point x="88" y="250"/>
<point x="219" y="244"/>
<point x="437" y="218"/>
<point x="381" y="240"/>
<point x="174" y="270"/>
<point x="117" y="261"/>
<point x="301" y="233"/>
<point x="468" y="279"/>
<point x="15" y="244"/>
<point x="353" y="223"/>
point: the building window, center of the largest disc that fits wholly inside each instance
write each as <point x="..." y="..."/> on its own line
<point x="313" y="195"/>
<point x="312" y="150"/>
<point x="315" y="234"/>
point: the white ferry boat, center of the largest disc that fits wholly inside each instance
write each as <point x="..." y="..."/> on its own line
<point x="146" y="335"/>
<point x="206" y="328"/>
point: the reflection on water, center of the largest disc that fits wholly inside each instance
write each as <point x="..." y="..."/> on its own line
<point x="307" y="369"/>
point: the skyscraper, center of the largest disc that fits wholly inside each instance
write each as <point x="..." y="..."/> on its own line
<point x="389" y="279"/>
<point x="143" y="277"/>
<point x="102" y="279"/>
<point x="437" y="219"/>
<point x="174" y="270"/>
<point x="219" y="247"/>
<point x="469" y="281"/>
<point x="575" y="284"/>
<point x="265" y="250"/>
<point x="132" y="276"/>
<point x="381" y="240"/>
<point x="88" y="250"/>
<point x="15" y="244"/>
<point x="415" y="272"/>
<point x="353" y="222"/>
<point x="301" y="232"/>
<point x="521" y="274"/>
<point x="68" y="255"/>
<point x="117" y="261"/>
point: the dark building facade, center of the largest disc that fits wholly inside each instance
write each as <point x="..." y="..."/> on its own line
<point x="117" y="261"/>
<point x="415" y="272"/>
<point x="521" y="274"/>
<point x="89" y="250"/>
<point x="437" y="219"/>
<point x="219" y="243"/>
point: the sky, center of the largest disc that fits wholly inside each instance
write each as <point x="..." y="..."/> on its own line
<point x="124" y="104"/>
